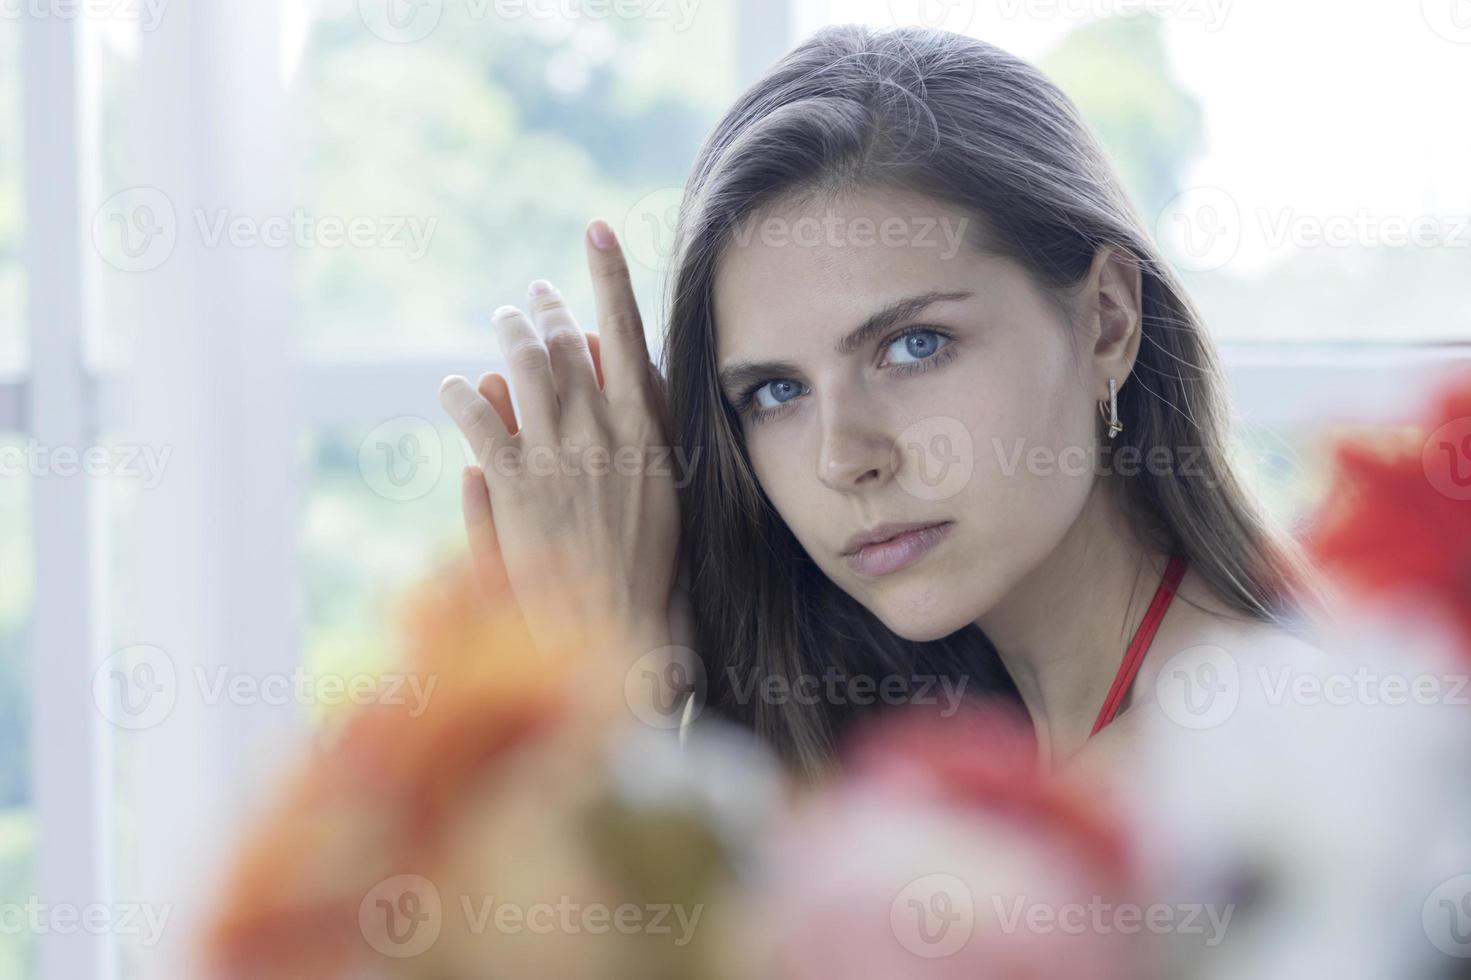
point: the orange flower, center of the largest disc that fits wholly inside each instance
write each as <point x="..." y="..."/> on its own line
<point x="382" y="798"/>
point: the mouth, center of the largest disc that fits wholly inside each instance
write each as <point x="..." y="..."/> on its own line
<point x="890" y="547"/>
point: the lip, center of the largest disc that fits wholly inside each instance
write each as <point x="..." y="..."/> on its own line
<point x="890" y="547"/>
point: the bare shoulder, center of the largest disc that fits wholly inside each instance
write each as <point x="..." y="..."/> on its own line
<point x="1200" y="627"/>
<point x="1205" y="669"/>
<point x="1208" y="668"/>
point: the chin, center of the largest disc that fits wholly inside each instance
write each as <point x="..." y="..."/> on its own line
<point x="921" y="614"/>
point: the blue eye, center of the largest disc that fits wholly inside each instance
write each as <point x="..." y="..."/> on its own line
<point x="917" y="345"/>
<point x="780" y="392"/>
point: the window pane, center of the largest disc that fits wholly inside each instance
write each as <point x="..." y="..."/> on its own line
<point x="380" y="506"/>
<point x="471" y="158"/>
<point x="12" y="327"/>
<point x="17" y="827"/>
<point x="1325" y="199"/>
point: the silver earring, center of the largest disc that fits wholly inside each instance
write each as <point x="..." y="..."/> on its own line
<point x="1112" y="416"/>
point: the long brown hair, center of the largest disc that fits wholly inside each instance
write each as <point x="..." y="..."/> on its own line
<point x="965" y="123"/>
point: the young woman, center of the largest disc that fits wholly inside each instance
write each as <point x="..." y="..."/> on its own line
<point x="952" y="423"/>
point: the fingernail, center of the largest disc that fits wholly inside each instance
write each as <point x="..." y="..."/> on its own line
<point x="602" y="235"/>
<point x="457" y="396"/>
<point x="540" y="287"/>
<point x="504" y="311"/>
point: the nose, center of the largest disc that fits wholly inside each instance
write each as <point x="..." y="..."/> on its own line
<point x="855" y="450"/>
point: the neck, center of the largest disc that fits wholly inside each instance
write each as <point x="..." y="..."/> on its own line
<point x="1101" y="577"/>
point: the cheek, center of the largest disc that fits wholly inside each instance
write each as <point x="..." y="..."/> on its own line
<point x="1035" y="453"/>
<point x="780" y="470"/>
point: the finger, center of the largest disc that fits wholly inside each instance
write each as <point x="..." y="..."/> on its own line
<point x="530" y="369"/>
<point x="493" y="388"/>
<point x="661" y="396"/>
<point x="485" y="549"/>
<point x="625" y="360"/>
<point x="573" y="376"/>
<point x="480" y="424"/>
<point x="594" y="348"/>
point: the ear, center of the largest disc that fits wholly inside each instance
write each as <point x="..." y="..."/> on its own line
<point x="1113" y="304"/>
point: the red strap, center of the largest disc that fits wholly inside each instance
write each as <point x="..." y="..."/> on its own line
<point x="1174" y="571"/>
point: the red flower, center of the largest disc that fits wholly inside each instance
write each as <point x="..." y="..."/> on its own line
<point x="1402" y="521"/>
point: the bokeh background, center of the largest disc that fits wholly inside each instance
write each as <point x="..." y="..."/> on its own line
<point x="246" y="241"/>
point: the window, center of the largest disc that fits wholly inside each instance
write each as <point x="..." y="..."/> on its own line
<point x="471" y="158"/>
<point x="17" y="588"/>
<point x="12" y="325"/>
<point x="17" y="818"/>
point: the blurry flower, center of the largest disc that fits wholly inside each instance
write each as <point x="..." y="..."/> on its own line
<point x="487" y="833"/>
<point x="1329" y="810"/>
<point x="942" y="851"/>
<point x="1317" y="816"/>
<point x="1399" y="525"/>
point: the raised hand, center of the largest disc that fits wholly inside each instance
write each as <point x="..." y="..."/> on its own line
<point x="574" y="508"/>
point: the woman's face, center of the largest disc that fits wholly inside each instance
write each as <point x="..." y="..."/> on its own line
<point x="969" y="408"/>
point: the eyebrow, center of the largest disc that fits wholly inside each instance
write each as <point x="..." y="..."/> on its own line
<point x="739" y="374"/>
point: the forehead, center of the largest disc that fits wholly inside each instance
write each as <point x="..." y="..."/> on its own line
<point x="818" y="267"/>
